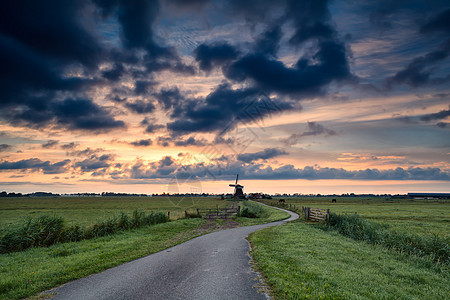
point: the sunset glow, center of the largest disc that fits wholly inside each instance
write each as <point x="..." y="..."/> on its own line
<point x="180" y="96"/>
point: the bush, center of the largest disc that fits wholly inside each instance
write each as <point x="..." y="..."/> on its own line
<point x="353" y="226"/>
<point x="251" y="210"/>
<point x="40" y="232"/>
<point x="46" y="230"/>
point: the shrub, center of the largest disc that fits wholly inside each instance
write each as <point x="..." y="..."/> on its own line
<point x="46" y="230"/>
<point x="251" y="210"/>
<point x="353" y="226"/>
<point x="38" y="232"/>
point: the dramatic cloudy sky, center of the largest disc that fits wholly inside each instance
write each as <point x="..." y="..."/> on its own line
<point x="163" y="96"/>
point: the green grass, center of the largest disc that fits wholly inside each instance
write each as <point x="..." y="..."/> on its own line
<point x="300" y="261"/>
<point x="26" y="273"/>
<point x="88" y="210"/>
<point x="270" y="215"/>
<point x="423" y="217"/>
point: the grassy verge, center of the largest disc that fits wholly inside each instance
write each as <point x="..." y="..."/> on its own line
<point x="28" y="272"/>
<point x="300" y="261"/>
<point x="45" y="231"/>
<point x="433" y="248"/>
<point x="268" y="214"/>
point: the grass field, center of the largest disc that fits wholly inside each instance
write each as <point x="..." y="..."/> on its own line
<point x="424" y="217"/>
<point x="87" y="210"/>
<point x="26" y="273"/>
<point x="302" y="261"/>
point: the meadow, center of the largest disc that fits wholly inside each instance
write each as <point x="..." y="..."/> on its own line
<point x="87" y="210"/>
<point x="423" y="217"/>
<point x="26" y="273"/>
<point x="301" y="260"/>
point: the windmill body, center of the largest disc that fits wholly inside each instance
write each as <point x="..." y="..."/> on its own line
<point x="238" y="189"/>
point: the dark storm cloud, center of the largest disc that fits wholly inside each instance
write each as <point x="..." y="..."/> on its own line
<point x="166" y="141"/>
<point x="439" y="23"/>
<point x="313" y="130"/>
<point x="84" y="114"/>
<point x="265" y="154"/>
<point x="35" y="164"/>
<point x="268" y="42"/>
<point x="443" y="114"/>
<point x="88" y="152"/>
<point x="142" y="87"/>
<point x="209" y="56"/>
<point x="191" y="141"/>
<point x="95" y="162"/>
<point x="169" y="98"/>
<point x="420" y="70"/>
<point x="136" y="20"/>
<point x="50" y="29"/>
<point x="311" y="20"/>
<point x="69" y="146"/>
<point x="310" y="75"/>
<point x="50" y="144"/>
<point x="316" y="129"/>
<point x="222" y="109"/>
<point x="140" y="106"/>
<point x="5" y="147"/>
<point x="43" y="43"/>
<point x="114" y="73"/>
<point x="169" y="168"/>
<point x="304" y="78"/>
<point x="150" y="127"/>
<point x="142" y="143"/>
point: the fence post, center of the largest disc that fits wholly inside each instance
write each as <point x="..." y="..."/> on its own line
<point x="168" y="215"/>
<point x="328" y="214"/>
<point x="185" y="213"/>
<point x="198" y="214"/>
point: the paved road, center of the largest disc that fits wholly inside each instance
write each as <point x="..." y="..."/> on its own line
<point x="212" y="266"/>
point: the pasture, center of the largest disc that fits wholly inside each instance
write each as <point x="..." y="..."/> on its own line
<point x="423" y="217"/>
<point x="88" y="210"/>
<point x="301" y="260"/>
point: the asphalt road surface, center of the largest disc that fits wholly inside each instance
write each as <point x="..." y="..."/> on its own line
<point x="212" y="266"/>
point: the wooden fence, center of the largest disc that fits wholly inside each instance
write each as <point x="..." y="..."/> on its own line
<point x="225" y="213"/>
<point x="316" y="214"/>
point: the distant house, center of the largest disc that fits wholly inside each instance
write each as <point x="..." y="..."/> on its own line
<point x="429" y="195"/>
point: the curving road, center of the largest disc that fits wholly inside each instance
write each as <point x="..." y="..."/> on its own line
<point x="212" y="266"/>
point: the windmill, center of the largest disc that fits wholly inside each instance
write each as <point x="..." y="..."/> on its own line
<point x="238" y="189"/>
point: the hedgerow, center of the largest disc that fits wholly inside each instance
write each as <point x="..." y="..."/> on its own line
<point x="46" y="230"/>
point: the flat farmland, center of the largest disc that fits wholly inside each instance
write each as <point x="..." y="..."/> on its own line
<point x="88" y="210"/>
<point x="423" y="217"/>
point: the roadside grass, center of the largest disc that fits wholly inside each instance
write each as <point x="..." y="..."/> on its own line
<point x="88" y="210"/>
<point x="300" y="261"/>
<point x="268" y="214"/>
<point x="423" y="217"/>
<point x="28" y="272"/>
<point x="45" y="230"/>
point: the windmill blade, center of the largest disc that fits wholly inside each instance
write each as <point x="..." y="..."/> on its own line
<point x="237" y="176"/>
<point x="232" y="185"/>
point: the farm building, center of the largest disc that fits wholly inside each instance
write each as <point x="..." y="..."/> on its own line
<point x="429" y="195"/>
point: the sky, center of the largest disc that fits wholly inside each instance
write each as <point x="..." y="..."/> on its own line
<point x="180" y="96"/>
